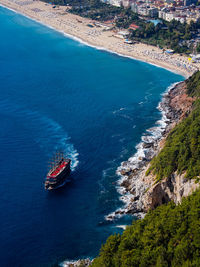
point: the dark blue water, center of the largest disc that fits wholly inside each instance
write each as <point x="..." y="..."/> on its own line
<point x="58" y="93"/>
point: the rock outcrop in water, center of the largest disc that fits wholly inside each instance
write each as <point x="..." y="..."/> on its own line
<point x="78" y="263"/>
<point x="139" y="191"/>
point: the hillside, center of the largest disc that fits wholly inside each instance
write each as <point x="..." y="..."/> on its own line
<point x="181" y="152"/>
<point x="167" y="236"/>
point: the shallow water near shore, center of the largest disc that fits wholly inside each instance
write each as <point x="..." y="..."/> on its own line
<point x="56" y="93"/>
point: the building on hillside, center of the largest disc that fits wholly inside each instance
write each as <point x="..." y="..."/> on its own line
<point x="153" y="12"/>
<point x="117" y="3"/>
<point x="166" y="14"/>
<point x="134" y="7"/>
<point x="127" y="3"/>
<point x="169" y="16"/>
<point x="133" y="27"/>
<point x="145" y="10"/>
<point x="181" y="19"/>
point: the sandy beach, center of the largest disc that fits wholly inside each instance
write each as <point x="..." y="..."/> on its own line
<point x="96" y="36"/>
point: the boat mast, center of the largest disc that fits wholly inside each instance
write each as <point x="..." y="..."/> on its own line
<point x="57" y="158"/>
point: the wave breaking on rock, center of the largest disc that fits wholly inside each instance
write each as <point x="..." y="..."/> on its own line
<point x="133" y="183"/>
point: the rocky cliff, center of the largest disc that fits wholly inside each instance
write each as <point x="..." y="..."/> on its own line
<point x="140" y="191"/>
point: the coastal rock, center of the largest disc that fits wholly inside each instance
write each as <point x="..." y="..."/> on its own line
<point x="146" y="194"/>
<point x="125" y="171"/>
<point x="125" y="184"/>
<point x="78" y="263"/>
<point x="173" y="188"/>
<point x="148" y="145"/>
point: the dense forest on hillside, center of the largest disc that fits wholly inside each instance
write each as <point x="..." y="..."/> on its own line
<point x="181" y="152"/>
<point x="167" y="236"/>
<point x="193" y="85"/>
<point x="170" y="234"/>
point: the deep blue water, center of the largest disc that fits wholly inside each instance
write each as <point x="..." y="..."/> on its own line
<point x="58" y="93"/>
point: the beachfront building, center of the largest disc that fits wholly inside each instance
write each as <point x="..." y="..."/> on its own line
<point x="133" y="27"/>
<point x="123" y="34"/>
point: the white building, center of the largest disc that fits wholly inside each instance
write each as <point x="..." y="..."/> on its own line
<point x="169" y="16"/>
<point x="142" y="11"/>
<point x="127" y="3"/>
<point x="181" y="19"/>
<point x="134" y="7"/>
<point x="161" y="14"/>
<point x="145" y="10"/>
<point x="115" y="2"/>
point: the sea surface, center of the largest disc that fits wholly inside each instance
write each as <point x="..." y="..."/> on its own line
<point x="56" y="93"/>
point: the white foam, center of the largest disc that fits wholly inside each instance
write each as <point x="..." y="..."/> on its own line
<point x="46" y="132"/>
<point x="91" y="45"/>
<point x="121" y="226"/>
<point x="152" y="135"/>
<point x="118" y="110"/>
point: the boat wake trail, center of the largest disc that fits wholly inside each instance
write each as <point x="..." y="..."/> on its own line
<point x="47" y="133"/>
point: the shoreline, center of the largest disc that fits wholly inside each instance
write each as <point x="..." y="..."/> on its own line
<point x="133" y="184"/>
<point x="146" y="149"/>
<point x="97" y="38"/>
<point x="142" y="152"/>
<point x="158" y="133"/>
<point x="185" y="75"/>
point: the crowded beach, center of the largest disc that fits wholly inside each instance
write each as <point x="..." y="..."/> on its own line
<point x="97" y="35"/>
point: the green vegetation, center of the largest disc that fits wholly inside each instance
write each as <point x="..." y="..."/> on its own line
<point x="170" y="234"/>
<point x="96" y="10"/>
<point x="168" y="34"/>
<point x="174" y="34"/>
<point x="167" y="236"/>
<point x="181" y="152"/>
<point x="193" y="85"/>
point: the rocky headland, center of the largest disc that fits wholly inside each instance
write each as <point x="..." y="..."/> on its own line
<point x="140" y="192"/>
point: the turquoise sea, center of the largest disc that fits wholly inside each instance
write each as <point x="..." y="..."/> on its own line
<point x="56" y="93"/>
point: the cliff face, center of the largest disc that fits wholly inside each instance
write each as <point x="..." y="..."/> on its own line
<point x="172" y="188"/>
<point x="176" y="186"/>
<point x="143" y="191"/>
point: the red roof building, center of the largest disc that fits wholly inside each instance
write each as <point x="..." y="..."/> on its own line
<point x="133" y="26"/>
